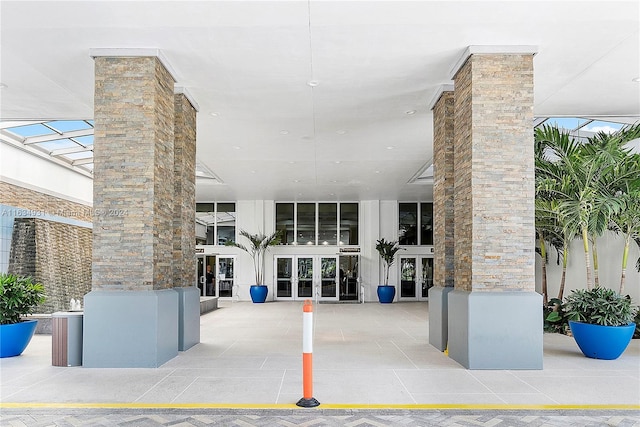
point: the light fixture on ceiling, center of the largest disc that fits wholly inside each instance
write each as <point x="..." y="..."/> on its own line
<point x="313" y="83"/>
<point x="337" y="162"/>
<point x="637" y="80"/>
<point x="391" y="147"/>
<point x="2" y="86"/>
<point x="237" y="147"/>
<point x="341" y="132"/>
<point x="213" y="114"/>
<point x="410" y="112"/>
<point x="284" y="132"/>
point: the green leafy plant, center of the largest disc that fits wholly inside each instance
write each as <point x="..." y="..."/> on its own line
<point x="387" y="251"/>
<point x="18" y="296"/>
<point x="258" y="245"/>
<point x="555" y="318"/>
<point x="599" y="306"/>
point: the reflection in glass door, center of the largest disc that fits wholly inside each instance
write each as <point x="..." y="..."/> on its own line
<point x="349" y="283"/>
<point x="284" y="277"/>
<point x="225" y="277"/>
<point x="305" y="277"/>
<point x="205" y="270"/>
<point x="416" y="277"/>
<point x="328" y="277"/>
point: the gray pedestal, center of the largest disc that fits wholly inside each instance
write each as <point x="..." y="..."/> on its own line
<point x="130" y="329"/>
<point x="188" y="317"/>
<point x="495" y="330"/>
<point x="438" y="316"/>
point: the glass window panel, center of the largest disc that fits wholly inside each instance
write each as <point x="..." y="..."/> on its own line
<point x="600" y="126"/>
<point x="305" y="276"/>
<point x="69" y="125"/>
<point x="408" y="223"/>
<point x="84" y="140"/>
<point x="225" y="277"/>
<point x="79" y="155"/>
<point x="204" y="207"/>
<point x="426" y="223"/>
<point x="568" y="123"/>
<point x="226" y="221"/>
<point x="327" y="223"/>
<point x="348" y="223"/>
<point x="427" y="276"/>
<point x="31" y="130"/>
<point x="57" y="144"/>
<point x="306" y="224"/>
<point x="328" y="277"/>
<point x="284" y="222"/>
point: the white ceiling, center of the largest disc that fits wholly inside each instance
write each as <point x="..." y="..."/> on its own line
<point x="264" y="131"/>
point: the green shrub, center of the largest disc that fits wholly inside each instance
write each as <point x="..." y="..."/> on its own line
<point x="599" y="306"/>
<point x="18" y="296"/>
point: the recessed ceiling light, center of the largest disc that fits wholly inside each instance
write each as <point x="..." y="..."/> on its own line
<point x="377" y="171"/>
<point x="214" y="114"/>
<point x="337" y="162"/>
<point x="2" y="85"/>
<point x="236" y="147"/>
<point x="390" y="147"/>
<point x="296" y="180"/>
<point x="637" y="80"/>
<point x="333" y="180"/>
<point x="341" y="132"/>
<point x="284" y="132"/>
<point x="313" y="83"/>
<point x="291" y="162"/>
<point x="410" y="112"/>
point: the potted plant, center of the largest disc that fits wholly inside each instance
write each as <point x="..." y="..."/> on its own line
<point x="258" y="245"/>
<point x="19" y="296"/>
<point x="601" y="321"/>
<point x="387" y="251"/>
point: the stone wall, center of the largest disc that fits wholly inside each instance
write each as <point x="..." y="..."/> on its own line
<point x="24" y="198"/>
<point x="55" y="254"/>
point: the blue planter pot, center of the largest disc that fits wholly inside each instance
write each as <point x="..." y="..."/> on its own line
<point x="386" y="294"/>
<point x="15" y="337"/>
<point x="602" y="342"/>
<point x="258" y="293"/>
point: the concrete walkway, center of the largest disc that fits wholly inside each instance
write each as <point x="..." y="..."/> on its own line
<point x="370" y="358"/>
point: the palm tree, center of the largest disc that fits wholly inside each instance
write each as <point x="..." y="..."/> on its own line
<point x="258" y="245"/>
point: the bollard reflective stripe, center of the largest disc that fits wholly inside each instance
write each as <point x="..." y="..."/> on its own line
<point x="307" y="401"/>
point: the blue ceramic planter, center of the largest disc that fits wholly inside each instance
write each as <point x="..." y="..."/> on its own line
<point x="258" y="293"/>
<point x="15" y="337"/>
<point x="602" y="342"/>
<point x="386" y="294"/>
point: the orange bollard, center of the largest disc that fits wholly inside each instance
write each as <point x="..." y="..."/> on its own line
<point x="307" y="401"/>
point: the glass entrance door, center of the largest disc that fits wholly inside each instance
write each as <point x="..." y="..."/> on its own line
<point x="206" y="267"/>
<point x="303" y="277"/>
<point x="349" y="278"/>
<point x="416" y="277"/>
<point x="215" y="276"/>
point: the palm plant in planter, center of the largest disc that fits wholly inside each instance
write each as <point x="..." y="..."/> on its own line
<point x="387" y="251"/>
<point x="19" y="296"/>
<point x="258" y="245"/>
<point x="601" y="321"/>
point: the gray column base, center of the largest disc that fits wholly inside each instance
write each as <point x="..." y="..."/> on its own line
<point x="130" y="329"/>
<point x="496" y="330"/>
<point x="188" y="317"/>
<point x="438" y="316"/>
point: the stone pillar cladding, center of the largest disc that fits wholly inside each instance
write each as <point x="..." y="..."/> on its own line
<point x="495" y="319"/>
<point x="133" y="174"/>
<point x="184" y="233"/>
<point x="131" y="314"/>
<point x="443" y="133"/>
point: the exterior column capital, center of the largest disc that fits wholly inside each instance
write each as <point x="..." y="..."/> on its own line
<point x="491" y="50"/>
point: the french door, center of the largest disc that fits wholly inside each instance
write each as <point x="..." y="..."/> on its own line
<point x="215" y="275"/>
<point x="416" y="277"/>
<point x="306" y="276"/>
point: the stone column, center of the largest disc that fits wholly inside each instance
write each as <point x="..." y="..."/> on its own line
<point x="184" y="231"/>
<point x="495" y="317"/>
<point x="131" y="314"/>
<point x="443" y="127"/>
